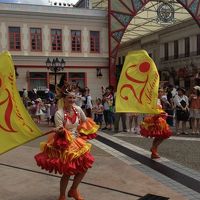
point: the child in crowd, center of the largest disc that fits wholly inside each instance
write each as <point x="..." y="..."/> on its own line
<point x="52" y="112"/>
<point x="108" y="101"/>
<point x="39" y="112"/>
<point x="98" y="112"/>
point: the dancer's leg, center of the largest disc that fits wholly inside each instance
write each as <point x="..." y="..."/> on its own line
<point x="154" y="148"/>
<point x="73" y="192"/>
<point x="63" y="185"/>
<point x="77" y="179"/>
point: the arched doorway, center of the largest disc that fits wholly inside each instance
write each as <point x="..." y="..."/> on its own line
<point x="123" y="11"/>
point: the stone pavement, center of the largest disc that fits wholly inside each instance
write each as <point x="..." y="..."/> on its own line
<point x="112" y="177"/>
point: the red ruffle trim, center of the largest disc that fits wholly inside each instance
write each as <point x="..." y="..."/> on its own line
<point x="56" y="165"/>
<point x="155" y="133"/>
<point x="155" y="126"/>
<point x="88" y="137"/>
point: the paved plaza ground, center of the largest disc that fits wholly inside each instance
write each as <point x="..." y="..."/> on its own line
<point x="122" y="170"/>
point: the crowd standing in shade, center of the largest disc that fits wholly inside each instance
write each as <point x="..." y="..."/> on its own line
<point x="182" y="107"/>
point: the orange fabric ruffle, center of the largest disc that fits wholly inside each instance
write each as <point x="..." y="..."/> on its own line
<point x="155" y="126"/>
<point x="88" y="129"/>
<point x="64" y="154"/>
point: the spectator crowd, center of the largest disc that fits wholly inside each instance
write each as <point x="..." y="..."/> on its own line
<point x="182" y="107"/>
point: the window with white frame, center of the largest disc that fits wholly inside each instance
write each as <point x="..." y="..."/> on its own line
<point x="38" y="80"/>
<point x="56" y="39"/>
<point x="14" y="38"/>
<point x="36" y="39"/>
<point x="94" y="42"/>
<point x="76" y="40"/>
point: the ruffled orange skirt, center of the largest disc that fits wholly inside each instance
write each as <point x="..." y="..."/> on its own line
<point x="155" y="126"/>
<point x="65" y="155"/>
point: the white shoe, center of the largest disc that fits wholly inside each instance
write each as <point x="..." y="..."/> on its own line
<point x="137" y="130"/>
<point x="133" y="130"/>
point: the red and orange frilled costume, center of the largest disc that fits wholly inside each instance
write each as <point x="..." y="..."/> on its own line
<point x="155" y="126"/>
<point x="69" y="153"/>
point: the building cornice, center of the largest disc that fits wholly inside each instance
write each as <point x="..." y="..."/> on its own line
<point x="67" y="59"/>
<point x="51" y="11"/>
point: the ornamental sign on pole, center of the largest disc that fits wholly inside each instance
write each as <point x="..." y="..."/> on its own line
<point x="165" y="14"/>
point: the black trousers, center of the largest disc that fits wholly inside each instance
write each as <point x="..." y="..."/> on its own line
<point x="119" y="116"/>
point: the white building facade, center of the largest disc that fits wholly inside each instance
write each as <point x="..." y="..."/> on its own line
<point x="175" y="50"/>
<point x="33" y="33"/>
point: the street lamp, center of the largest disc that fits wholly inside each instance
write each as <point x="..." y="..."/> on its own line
<point x="99" y="74"/>
<point x="55" y="66"/>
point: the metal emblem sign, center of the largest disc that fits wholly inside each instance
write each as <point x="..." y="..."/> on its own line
<point x="165" y="13"/>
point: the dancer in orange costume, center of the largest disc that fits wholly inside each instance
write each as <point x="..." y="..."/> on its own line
<point x="157" y="127"/>
<point x="67" y="151"/>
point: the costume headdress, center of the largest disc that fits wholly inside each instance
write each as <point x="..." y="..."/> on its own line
<point x="65" y="88"/>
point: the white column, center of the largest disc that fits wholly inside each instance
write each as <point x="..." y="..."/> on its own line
<point x="66" y="37"/>
<point x="85" y="41"/>
<point x="3" y="36"/>
<point x="25" y="38"/>
<point x="46" y="40"/>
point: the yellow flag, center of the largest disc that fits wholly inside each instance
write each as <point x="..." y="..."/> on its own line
<point x="16" y="125"/>
<point x="137" y="90"/>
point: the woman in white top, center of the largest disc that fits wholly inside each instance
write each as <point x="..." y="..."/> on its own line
<point x="67" y="151"/>
<point x="181" y="104"/>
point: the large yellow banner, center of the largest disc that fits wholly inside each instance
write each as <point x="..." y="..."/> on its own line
<point x="16" y="125"/>
<point x="137" y="90"/>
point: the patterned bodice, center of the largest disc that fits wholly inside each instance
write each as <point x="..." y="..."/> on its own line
<point x="62" y="121"/>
